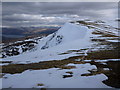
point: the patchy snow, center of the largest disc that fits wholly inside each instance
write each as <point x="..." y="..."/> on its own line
<point x="69" y="37"/>
<point x="72" y="37"/>
<point x="107" y="69"/>
<point x="53" y="78"/>
<point x="1" y="64"/>
<point x="103" y="60"/>
<point x="107" y="60"/>
<point x="113" y="40"/>
<point x="70" y="64"/>
<point x="113" y="23"/>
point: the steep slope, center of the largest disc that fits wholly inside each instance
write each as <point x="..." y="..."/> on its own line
<point x="69" y="32"/>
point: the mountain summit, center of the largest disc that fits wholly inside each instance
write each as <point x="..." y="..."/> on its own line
<point x="68" y="33"/>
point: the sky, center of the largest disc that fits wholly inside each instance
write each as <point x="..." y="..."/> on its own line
<point x="16" y="14"/>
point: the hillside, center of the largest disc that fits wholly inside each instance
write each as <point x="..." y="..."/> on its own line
<point x="81" y="54"/>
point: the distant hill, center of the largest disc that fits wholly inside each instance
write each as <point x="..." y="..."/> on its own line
<point x="21" y="33"/>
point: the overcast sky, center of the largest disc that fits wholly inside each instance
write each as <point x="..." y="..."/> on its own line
<point x="29" y="13"/>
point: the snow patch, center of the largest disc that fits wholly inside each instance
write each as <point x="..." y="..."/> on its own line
<point x="53" y="78"/>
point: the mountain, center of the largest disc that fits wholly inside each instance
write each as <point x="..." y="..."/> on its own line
<point x="70" y="36"/>
<point x="81" y="54"/>
<point x="68" y="41"/>
<point x="68" y="33"/>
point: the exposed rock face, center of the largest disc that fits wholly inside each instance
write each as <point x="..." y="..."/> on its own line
<point x="18" y="48"/>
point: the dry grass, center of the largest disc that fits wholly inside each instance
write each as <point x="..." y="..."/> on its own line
<point x="70" y="51"/>
<point x="19" y="68"/>
<point x="107" y="53"/>
<point x="97" y="32"/>
<point x="69" y="72"/>
<point x="94" y="72"/>
<point x="63" y="53"/>
<point x="113" y="73"/>
<point x="104" y="34"/>
<point x="87" y="23"/>
<point x="68" y="67"/>
<point x="67" y="76"/>
<point x="109" y="35"/>
<point x="5" y="61"/>
<point x="43" y="89"/>
<point x="103" y="54"/>
<point x="98" y="40"/>
<point x="87" y="74"/>
<point x="40" y="84"/>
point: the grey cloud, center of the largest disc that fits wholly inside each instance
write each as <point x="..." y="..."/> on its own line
<point x="49" y="9"/>
<point x="46" y="8"/>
